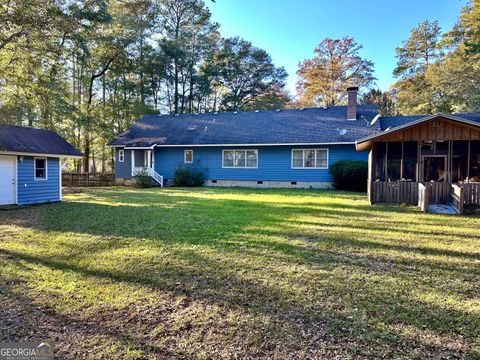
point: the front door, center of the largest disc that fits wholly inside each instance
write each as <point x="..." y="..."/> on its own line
<point x="434" y="168"/>
<point x="7" y="180"/>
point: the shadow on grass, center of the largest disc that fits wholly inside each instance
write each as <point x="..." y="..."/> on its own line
<point x="364" y="295"/>
<point x="217" y="284"/>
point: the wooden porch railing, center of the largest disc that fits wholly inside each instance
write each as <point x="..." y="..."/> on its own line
<point x="424" y="194"/>
<point x="471" y="193"/>
<point x="397" y="192"/>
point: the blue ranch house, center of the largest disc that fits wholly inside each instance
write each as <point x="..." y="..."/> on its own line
<point x="412" y="159"/>
<point x="30" y="166"/>
<point x="262" y="148"/>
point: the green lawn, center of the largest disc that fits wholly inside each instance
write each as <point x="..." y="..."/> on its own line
<point x="235" y="273"/>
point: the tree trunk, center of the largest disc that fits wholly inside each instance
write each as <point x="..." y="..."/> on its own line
<point x="175" y="94"/>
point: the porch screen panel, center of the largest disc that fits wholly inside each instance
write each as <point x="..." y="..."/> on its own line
<point x="475" y="161"/>
<point x="410" y="160"/>
<point x="139" y="158"/>
<point x="459" y="160"/>
<point x="379" y="151"/>
<point x="394" y="160"/>
<point x="441" y="147"/>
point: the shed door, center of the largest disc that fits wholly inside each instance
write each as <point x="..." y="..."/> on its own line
<point x="7" y="180"/>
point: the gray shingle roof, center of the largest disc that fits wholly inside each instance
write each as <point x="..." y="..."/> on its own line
<point x="28" y="140"/>
<point x="390" y="122"/>
<point x="289" y="126"/>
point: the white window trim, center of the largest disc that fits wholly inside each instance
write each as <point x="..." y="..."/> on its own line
<point x="132" y="160"/>
<point x="303" y="161"/>
<point x="121" y="156"/>
<point x="185" y="156"/>
<point x="239" y="167"/>
<point x="16" y="179"/>
<point x="35" y="168"/>
<point x="60" y="196"/>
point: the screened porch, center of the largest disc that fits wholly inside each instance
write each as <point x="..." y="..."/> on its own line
<point x="433" y="161"/>
<point x="456" y="161"/>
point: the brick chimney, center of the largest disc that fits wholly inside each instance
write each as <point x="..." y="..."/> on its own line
<point x="352" y="103"/>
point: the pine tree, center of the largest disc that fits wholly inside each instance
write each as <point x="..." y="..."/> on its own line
<point x="336" y="65"/>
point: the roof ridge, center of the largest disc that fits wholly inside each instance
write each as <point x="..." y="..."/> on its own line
<point x="27" y="128"/>
<point x="474" y="113"/>
<point x="234" y="112"/>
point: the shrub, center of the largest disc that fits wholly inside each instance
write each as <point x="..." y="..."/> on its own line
<point x="350" y="175"/>
<point x="143" y="180"/>
<point x="188" y="176"/>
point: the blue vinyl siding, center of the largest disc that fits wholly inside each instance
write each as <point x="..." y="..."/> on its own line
<point x="274" y="163"/>
<point x="31" y="191"/>
<point x="123" y="170"/>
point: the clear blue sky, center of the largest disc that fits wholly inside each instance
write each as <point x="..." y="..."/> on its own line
<point x="290" y="29"/>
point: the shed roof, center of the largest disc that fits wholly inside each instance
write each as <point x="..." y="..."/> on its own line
<point x="25" y="140"/>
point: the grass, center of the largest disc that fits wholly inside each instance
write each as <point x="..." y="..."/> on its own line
<point x="235" y="273"/>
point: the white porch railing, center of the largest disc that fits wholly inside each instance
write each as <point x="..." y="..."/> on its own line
<point x="152" y="173"/>
<point x="156" y="176"/>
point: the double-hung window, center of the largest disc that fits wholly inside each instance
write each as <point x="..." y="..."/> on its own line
<point x="188" y="156"/>
<point x="240" y="158"/>
<point x="40" y="168"/>
<point x="309" y="158"/>
<point x="121" y="155"/>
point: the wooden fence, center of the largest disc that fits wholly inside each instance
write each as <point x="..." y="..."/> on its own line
<point x="87" y="179"/>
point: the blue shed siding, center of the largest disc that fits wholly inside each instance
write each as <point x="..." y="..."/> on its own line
<point x="123" y="170"/>
<point x="31" y="191"/>
<point x="274" y="163"/>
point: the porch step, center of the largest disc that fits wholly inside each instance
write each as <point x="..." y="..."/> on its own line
<point x="442" y="209"/>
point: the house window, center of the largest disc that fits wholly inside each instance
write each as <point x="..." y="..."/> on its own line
<point x="310" y="158"/>
<point x="40" y="168"/>
<point x="188" y="156"/>
<point x="240" y="158"/>
<point x="121" y="155"/>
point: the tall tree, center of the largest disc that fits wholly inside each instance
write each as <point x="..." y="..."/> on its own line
<point x="418" y="52"/>
<point x="467" y="29"/>
<point x="455" y="80"/>
<point x="336" y="65"/>
<point x="89" y="69"/>
<point x="187" y="31"/>
<point x="245" y="72"/>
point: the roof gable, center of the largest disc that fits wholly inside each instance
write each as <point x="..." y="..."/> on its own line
<point x="426" y="128"/>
